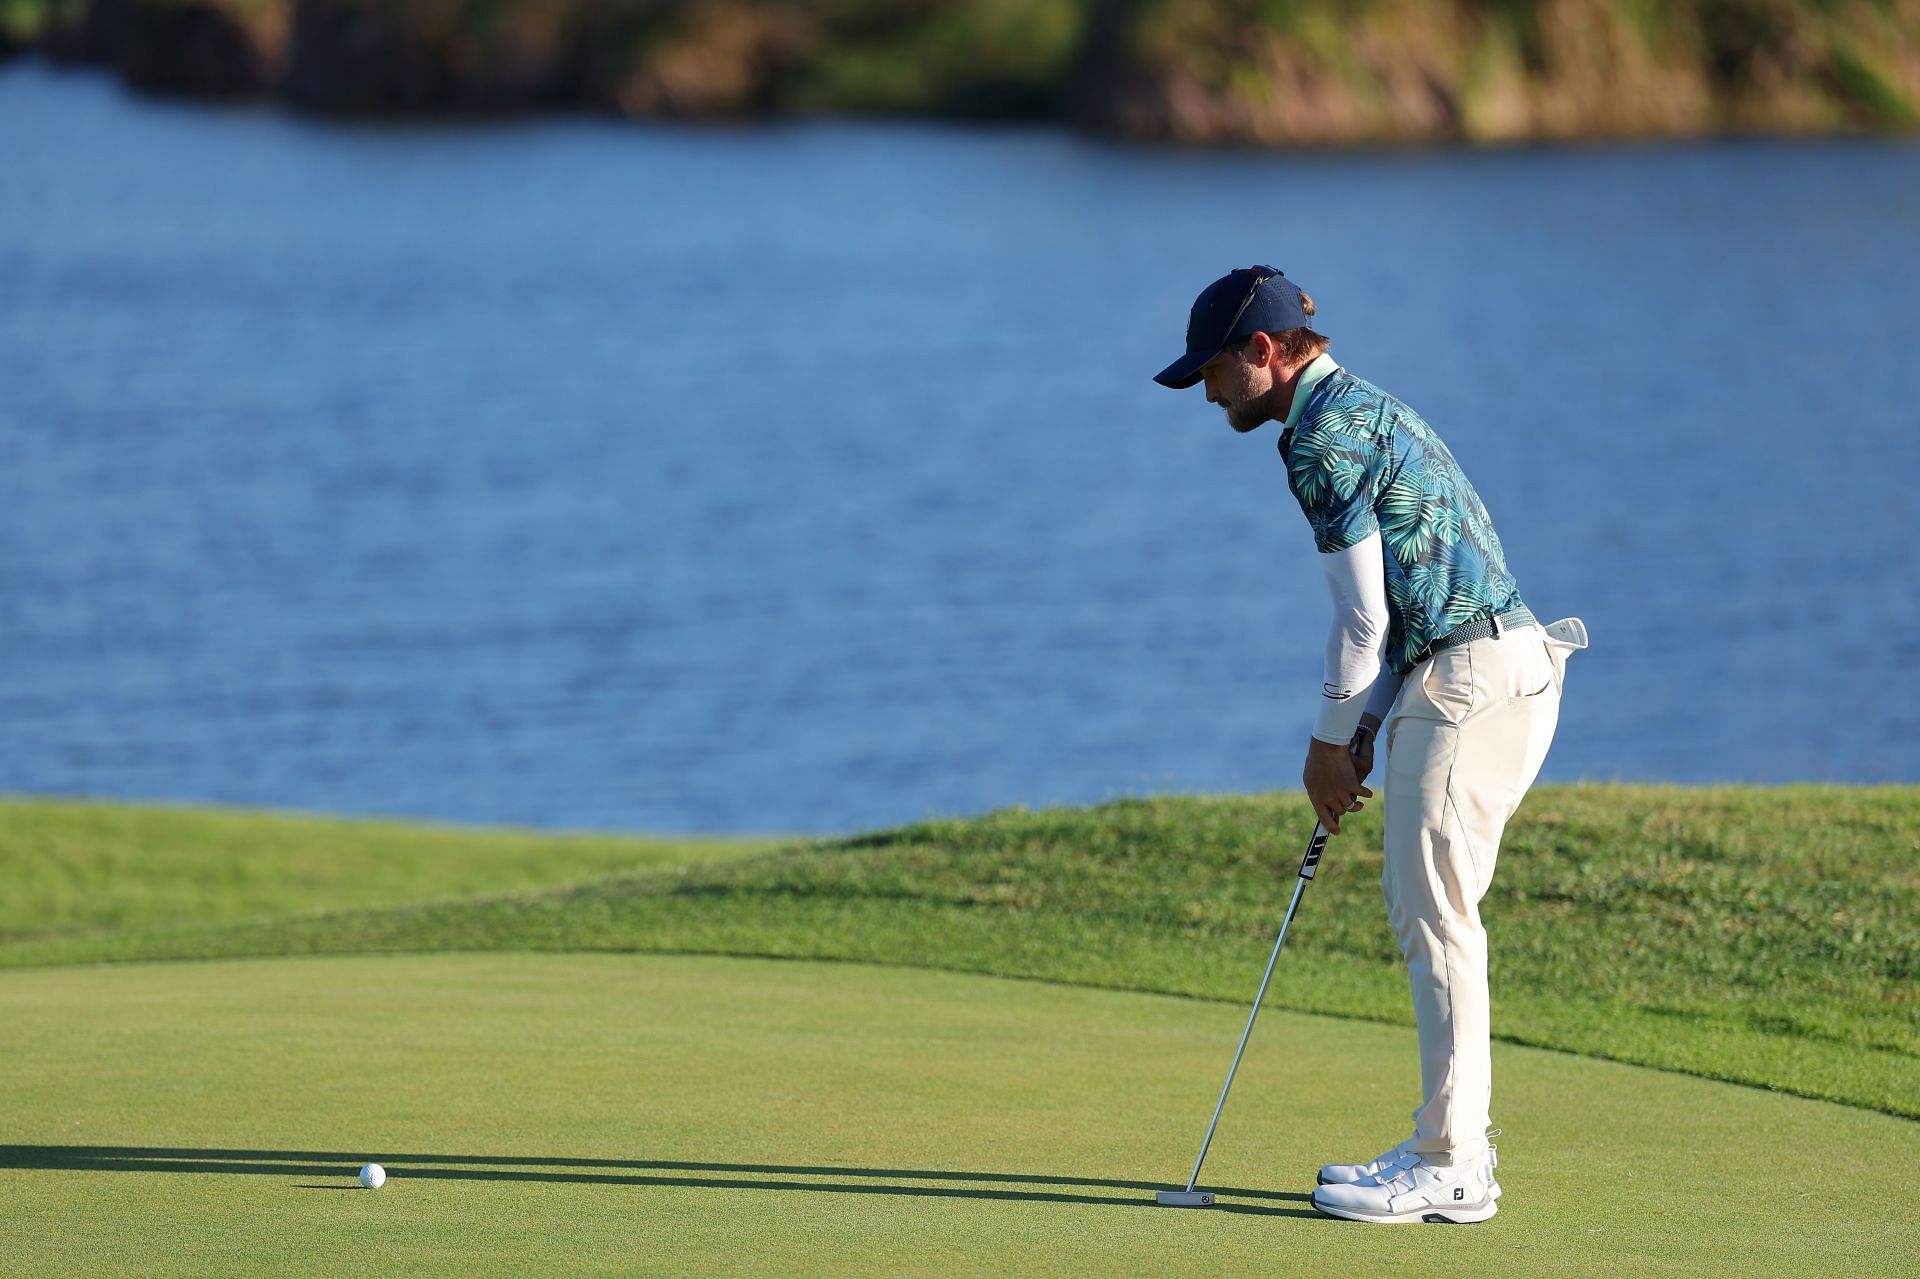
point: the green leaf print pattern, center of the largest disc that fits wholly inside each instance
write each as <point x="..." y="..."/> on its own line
<point x="1360" y="461"/>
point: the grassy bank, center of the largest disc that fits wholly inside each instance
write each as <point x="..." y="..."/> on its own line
<point x="1764" y="936"/>
<point x="1261" y="71"/>
<point x="73" y="867"/>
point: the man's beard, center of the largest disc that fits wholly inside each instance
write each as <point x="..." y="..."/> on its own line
<point x="1245" y="417"/>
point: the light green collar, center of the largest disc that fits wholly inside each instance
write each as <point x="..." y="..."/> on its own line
<point x="1309" y="378"/>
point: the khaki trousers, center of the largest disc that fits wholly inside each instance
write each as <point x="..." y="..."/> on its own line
<point x="1465" y="741"/>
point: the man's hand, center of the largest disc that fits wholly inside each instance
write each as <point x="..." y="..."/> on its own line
<point x="1332" y="783"/>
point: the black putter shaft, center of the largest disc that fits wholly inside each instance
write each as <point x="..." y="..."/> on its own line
<point x="1308" y="865"/>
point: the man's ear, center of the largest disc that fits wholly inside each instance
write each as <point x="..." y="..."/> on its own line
<point x="1261" y="350"/>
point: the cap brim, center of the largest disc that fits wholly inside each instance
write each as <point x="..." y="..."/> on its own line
<point x="1185" y="371"/>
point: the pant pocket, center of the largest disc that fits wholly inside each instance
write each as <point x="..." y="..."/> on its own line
<point x="1535" y="668"/>
<point x="1557" y="654"/>
<point x="1564" y="638"/>
<point x="1447" y="682"/>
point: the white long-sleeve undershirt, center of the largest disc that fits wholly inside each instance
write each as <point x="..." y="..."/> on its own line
<point x="1355" y="677"/>
<point x="1385" y="689"/>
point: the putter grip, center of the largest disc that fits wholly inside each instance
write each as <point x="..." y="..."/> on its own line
<point x="1315" y="846"/>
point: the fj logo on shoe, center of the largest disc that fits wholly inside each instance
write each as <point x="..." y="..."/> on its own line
<point x="1459" y="1192"/>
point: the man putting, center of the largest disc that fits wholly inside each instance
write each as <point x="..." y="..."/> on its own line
<point x="1429" y="634"/>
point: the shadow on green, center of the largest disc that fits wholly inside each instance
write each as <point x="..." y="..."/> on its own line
<point x="638" y="1172"/>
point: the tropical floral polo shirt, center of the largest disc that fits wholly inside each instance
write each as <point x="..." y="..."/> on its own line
<point x="1361" y="462"/>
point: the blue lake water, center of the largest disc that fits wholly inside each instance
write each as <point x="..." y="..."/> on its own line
<point x="575" y="473"/>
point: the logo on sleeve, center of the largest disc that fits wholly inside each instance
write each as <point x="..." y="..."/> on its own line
<point x="1331" y="693"/>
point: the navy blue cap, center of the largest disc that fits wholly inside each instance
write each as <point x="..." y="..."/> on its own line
<point x="1254" y="299"/>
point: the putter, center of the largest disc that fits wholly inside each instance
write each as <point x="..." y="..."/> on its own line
<point x="1191" y="1198"/>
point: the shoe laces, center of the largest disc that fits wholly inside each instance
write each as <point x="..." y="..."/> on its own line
<point x="1380" y="1163"/>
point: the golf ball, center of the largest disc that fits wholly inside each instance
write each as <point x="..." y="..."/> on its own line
<point x="373" y="1176"/>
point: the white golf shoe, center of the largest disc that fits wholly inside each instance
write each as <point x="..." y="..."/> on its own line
<point x="1399" y="1156"/>
<point x="1345" y="1174"/>
<point x="1409" y="1189"/>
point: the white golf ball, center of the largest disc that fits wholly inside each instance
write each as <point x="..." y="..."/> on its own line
<point x="373" y="1176"/>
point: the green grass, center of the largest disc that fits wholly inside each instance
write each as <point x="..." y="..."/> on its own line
<point x="668" y="1115"/>
<point x="717" y="1115"/>
<point x="1763" y="936"/>
<point x="74" y="865"/>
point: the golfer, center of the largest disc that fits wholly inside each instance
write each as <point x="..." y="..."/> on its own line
<point x="1430" y="636"/>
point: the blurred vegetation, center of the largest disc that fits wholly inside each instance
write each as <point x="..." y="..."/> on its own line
<point x="985" y="59"/>
<point x="1259" y="71"/>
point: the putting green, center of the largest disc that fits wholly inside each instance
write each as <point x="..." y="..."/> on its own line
<point x="705" y="1116"/>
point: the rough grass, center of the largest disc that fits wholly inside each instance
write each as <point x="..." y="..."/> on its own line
<point x="71" y="865"/>
<point x="1764" y="936"/>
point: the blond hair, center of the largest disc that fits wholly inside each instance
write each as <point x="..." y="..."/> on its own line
<point x="1297" y="346"/>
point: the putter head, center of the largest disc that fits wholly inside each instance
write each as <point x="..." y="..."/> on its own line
<point x="1184" y="1199"/>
